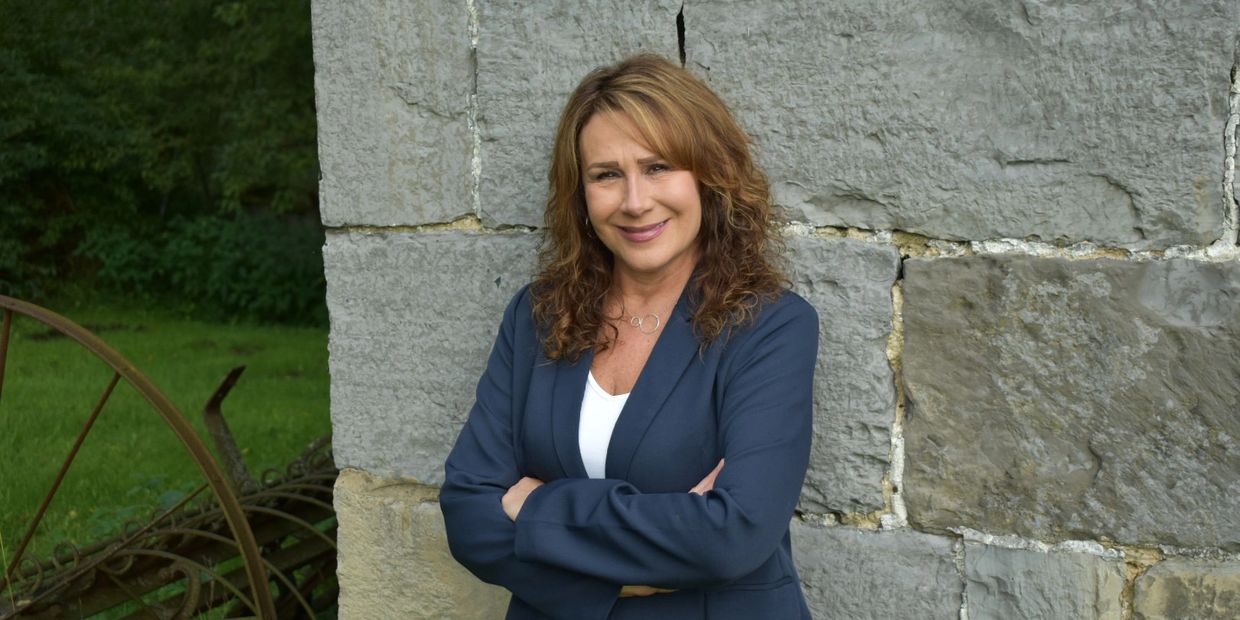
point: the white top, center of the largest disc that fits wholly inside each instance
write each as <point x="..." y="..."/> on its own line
<point x="599" y="412"/>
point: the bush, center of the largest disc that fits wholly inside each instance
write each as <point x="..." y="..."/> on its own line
<point x="258" y="267"/>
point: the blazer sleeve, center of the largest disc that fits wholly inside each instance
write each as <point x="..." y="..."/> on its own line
<point x="479" y="470"/>
<point x="608" y="529"/>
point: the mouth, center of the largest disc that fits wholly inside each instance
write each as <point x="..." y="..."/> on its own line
<point x="642" y="233"/>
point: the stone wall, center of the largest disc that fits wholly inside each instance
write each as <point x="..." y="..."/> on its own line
<point x="1017" y="221"/>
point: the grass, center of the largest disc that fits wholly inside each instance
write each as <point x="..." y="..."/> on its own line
<point x="131" y="462"/>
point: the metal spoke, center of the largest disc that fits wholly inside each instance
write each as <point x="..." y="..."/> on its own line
<point x="60" y="476"/>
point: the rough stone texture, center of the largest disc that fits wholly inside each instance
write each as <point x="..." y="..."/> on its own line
<point x="413" y="317"/>
<point x="849" y="283"/>
<point x="1074" y="399"/>
<point x="975" y="120"/>
<point x="1001" y="584"/>
<point x="851" y="573"/>
<point x="392" y="85"/>
<point x="394" y="561"/>
<point x="530" y="57"/>
<point x="1180" y="589"/>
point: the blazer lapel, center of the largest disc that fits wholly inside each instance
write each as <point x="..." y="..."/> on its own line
<point x="569" y="388"/>
<point x="671" y="356"/>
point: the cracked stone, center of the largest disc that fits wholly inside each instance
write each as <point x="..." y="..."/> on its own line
<point x="530" y="57"/>
<point x="392" y="86"/>
<point x="413" y="317"/>
<point x="849" y="283"/>
<point x="851" y="573"/>
<point x="1013" y="583"/>
<point x="1185" y="589"/>
<point x="1059" y="399"/>
<point x="1061" y="122"/>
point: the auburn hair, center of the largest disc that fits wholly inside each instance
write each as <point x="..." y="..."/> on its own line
<point x="687" y="124"/>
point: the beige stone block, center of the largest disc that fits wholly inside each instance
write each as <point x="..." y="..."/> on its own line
<point x="394" y="560"/>
<point x="1187" y="589"/>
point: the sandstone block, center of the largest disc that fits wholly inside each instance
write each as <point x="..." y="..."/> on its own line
<point x="849" y="283"/>
<point x="1079" y="121"/>
<point x="530" y="56"/>
<point x="851" y="573"/>
<point x="413" y="318"/>
<point x="1186" y="589"/>
<point x="392" y="87"/>
<point x="393" y="560"/>
<point x="1013" y="583"/>
<point x="1060" y="399"/>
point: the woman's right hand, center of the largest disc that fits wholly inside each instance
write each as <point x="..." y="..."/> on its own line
<point x="708" y="482"/>
<point x="628" y="591"/>
<point x="700" y="488"/>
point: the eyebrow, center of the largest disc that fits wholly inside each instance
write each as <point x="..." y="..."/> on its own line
<point x="611" y="164"/>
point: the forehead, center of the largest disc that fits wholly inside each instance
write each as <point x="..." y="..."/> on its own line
<point x="608" y="135"/>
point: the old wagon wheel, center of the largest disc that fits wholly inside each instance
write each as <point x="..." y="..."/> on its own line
<point x="258" y="594"/>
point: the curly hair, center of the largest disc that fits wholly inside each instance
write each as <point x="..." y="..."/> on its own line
<point x="686" y="123"/>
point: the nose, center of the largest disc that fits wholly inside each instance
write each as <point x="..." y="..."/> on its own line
<point x="637" y="198"/>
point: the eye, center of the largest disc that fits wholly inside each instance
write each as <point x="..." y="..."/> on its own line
<point x="658" y="167"/>
<point x="606" y="174"/>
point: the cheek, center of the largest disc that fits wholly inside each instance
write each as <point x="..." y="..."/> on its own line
<point x="598" y="200"/>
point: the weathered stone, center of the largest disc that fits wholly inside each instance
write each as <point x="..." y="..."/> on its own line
<point x="413" y="317"/>
<point x="1012" y="583"/>
<point x="530" y="57"/>
<point x="851" y="573"/>
<point x="1183" y="589"/>
<point x="849" y="283"/>
<point x="985" y="119"/>
<point x="1061" y="399"/>
<point x="393" y="559"/>
<point x="392" y="86"/>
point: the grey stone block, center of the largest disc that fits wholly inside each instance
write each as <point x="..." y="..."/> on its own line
<point x="849" y="283"/>
<point x="1080" y="121"/>
<point x="1061" y="399"/>
<point x="530" y="57"/>
<point x="1002" y="584"/>
<point x="851" y="573"/>
<point x="413" y="318"/>
<point x="392" y="86"/>
<point x="393" y="560"/>
<point x="1184" y="589"/>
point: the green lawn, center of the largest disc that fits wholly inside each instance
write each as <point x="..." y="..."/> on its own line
<point x="131" y="462"/>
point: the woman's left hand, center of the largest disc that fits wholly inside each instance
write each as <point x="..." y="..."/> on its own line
<point x="514" y="499"/>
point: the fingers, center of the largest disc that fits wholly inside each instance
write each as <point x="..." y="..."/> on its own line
<point x="514" y="499"/>
<point x="708" y="482"/>
<point x="628" y="591"/>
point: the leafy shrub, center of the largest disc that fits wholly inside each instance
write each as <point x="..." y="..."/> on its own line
<point x="260" y="267"/>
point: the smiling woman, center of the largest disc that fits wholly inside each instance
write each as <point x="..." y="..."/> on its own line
<point x="642" y="429"/>
<point x="644" y="210"/>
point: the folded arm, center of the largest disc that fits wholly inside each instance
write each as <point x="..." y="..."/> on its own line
<point x="479" y="470"/>
<point x="609" y="530"/>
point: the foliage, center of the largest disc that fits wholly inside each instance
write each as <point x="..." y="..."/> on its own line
<point x="135" y="115"/>
<point x="261" y="267"/>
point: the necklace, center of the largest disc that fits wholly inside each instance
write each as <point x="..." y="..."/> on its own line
<point x="640" y="322"/>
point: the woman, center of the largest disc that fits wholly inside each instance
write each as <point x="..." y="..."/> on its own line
<point x="642" y="428"/>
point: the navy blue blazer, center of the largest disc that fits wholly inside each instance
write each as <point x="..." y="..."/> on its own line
<point x="577" y="540"/>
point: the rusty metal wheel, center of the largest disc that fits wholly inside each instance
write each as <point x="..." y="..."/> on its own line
<point x="252" y="590"/>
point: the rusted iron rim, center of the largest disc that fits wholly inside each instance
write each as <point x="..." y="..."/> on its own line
<point x="255" y="571"/>
<point x="302" y="523"/>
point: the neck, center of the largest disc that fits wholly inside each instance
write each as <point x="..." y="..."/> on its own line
<point x="643" y="292"/>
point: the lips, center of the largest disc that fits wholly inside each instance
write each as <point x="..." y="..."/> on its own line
<point x="641" y="234"/>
